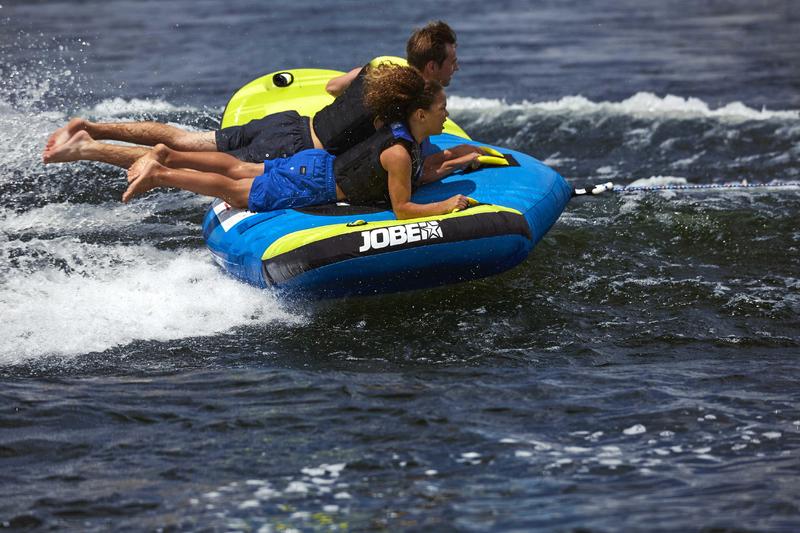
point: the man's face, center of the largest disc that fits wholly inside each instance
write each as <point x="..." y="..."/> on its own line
<point x="442" y="73"/>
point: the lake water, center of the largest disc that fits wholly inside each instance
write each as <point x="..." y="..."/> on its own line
<point x="639" y="372"/>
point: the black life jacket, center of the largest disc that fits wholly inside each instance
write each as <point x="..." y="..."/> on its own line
<point x="359" y="172"/>
<point x="346" y="121"/>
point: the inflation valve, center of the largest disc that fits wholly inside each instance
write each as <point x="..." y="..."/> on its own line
<point x="282" y="79"/>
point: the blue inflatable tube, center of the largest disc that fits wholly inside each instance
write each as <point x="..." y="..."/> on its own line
<point x="339" y="250"/>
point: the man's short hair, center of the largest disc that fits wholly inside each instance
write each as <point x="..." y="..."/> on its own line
<point x="429" y="44"/>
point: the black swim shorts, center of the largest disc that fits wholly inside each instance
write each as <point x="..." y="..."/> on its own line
<point x="277" y="135"/>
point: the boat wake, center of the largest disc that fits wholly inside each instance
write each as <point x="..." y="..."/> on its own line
<point x="65" y="297"/>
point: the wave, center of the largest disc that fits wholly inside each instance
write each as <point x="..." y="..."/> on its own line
<point x="62" y="297"/>
<point x="645" y="135"/>
<point x="655" y="181"/>
<point x="642" y="104"/>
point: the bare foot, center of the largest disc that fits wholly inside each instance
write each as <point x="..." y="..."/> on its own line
<point x="71" y="150"/>
<point x="136" y="168"/>
<point x="158" y="154"/>
<point x="144" y="179"/>
<point x="64" y="133"/>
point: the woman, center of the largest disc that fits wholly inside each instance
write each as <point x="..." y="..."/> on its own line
<point x="386" y="166"/>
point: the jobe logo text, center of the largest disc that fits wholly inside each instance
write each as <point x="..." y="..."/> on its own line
<point x="397" y="235"/>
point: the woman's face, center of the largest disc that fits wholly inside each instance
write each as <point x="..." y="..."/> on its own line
<point x="436" y="114"/>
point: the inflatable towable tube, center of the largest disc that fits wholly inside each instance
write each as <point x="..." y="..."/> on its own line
<point x="339" y="250"/>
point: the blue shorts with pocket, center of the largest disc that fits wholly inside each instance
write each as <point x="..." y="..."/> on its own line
<point x="302" y="180"/>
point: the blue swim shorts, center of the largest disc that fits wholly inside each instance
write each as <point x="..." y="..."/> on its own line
<point x="301" y="180"/>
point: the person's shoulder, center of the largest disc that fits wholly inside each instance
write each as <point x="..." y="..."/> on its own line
<point x="395" y="156"/>
<point x="397" y="150"/>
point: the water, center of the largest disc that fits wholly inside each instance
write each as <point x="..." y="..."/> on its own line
<point x="638" y="372"/>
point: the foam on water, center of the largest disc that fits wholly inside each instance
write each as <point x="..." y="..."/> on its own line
<point x="655" y="181"/>
<point x="314" y="498"/>
<point x="120" y="107"/>
<point x="74" y="219"/>
<point x="22" y="137"/>
<point x="635" y="448"/>
<point x="81" y="219"/>
<point x="89" y="297"/>
<point x="641" y="104"/>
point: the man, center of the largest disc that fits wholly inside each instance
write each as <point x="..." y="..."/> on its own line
<point x="338" y="126"/>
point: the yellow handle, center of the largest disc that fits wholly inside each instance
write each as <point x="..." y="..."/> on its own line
<point x="491" y="151"/>
<point x="471" y="202"/>
<point x="492" y="160"/>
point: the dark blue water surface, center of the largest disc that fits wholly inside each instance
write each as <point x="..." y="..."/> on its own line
<point x="639" y="372"/>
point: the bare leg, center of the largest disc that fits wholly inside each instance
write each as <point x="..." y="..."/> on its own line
<point x="215" y="162"/>
<point x="152" y="133"/>
<point x="146" y="133"/>
<point x="82" y="147"/>
<point x="152" y="174"/>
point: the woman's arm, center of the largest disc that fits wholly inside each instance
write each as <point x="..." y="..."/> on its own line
<point x="397" y="163"/>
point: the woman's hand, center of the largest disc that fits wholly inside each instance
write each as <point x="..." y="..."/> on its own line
<point x="458" y="202"/>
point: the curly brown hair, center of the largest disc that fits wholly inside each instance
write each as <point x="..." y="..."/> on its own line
<point x="393" y="92"/>
<point x="429" y="44"/>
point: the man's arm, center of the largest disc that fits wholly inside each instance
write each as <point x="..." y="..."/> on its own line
<point x="444" y="163"/>
<point x="337" y="85"/>
<point x="397" y="163"/>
